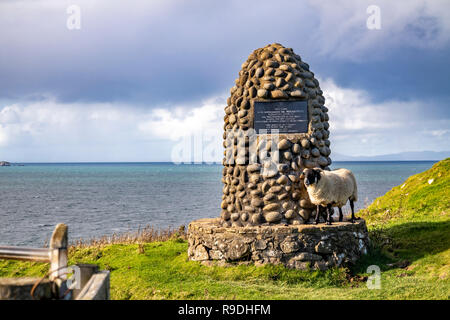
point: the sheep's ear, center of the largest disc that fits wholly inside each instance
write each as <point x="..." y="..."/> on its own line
<point x="302" y="175"/>
<point x="317" y="171"/>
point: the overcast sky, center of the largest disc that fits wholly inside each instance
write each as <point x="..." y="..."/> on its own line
<point x="138" y="76"/>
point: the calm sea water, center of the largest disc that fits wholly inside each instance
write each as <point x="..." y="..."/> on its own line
<point x="103" y="198"/>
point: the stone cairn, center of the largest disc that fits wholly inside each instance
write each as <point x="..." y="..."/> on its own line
<point x="265" y="206"/>
<point x="264" y="187"/>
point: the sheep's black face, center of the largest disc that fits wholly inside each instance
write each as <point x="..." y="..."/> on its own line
<point x="311" y="176"/>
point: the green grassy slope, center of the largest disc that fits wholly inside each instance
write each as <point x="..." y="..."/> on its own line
<point x="422" y="197"/>
<point x="412" y="222"/>
<point x="409" y="228"/>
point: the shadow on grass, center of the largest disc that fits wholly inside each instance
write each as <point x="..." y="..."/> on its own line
<point x="407" y="241"/>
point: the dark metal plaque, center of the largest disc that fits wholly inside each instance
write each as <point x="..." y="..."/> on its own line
<point x="284" y="116"/>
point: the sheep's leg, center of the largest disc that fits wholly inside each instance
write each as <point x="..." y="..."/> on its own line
<point x="317" y="215"/>
<point x="341" y="216"/>
<point x="325" y="213"/>
<point x="352" y="206"/>
<point x="329" y="218"/>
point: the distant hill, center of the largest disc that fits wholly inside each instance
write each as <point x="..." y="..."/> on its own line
<point x="403" y="156"/>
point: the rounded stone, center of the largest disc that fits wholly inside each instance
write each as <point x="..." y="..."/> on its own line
<point x="314" y="141"/>
<point x="295" y="195"/>
<point x="283" y="196"/>
<point x="305" y="203"/>
<point x="269" y="173"/>
<point x="273" y="216"/>
<point x="305" y="143"/>
<point x="253" y="167"/>
<point x="259" y="72"/>
<point x="282" y="179"/>
<point x="254" y="178"/>
<point x="278" y="94"/>
<point x="280" y="81"/>
<point x="289" y="214"/>
<point x="297" y="93"/>
<point x="226" y="215"/>
<point x="271" y="207"/>
<point x="315" y="152"/>
<point x="305" y="214"/>
<point x="242" y="193"/>
<point x="257" y="218"/>
<point x="305" y="154"/>
<point x="271" y="64"/>
<point x="287" y="155"/>
<point x="269" y="197"/>
<point x="268" y="86"/>
<point x="265" y="186"/>
<point x="275" y="189"/>
<point x="309" y="164"/>
<point x="236" y="224"/>
<point x="257" y="202"/>
<point x="323" y="162"/>
<point x="224" y="204"/>
<point x="283" y="167"/>
<point x="325" y="151"/>
<point x="249" y="208"/>
<point x="256" y="193"/>
<point x="245" y="104"/>
<point x="262" y="93"/>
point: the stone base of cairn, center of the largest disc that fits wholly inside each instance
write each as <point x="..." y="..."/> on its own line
<point x="306" y="246"/>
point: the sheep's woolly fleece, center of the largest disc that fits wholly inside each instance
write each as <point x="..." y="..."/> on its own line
<point x="335" y="187"/>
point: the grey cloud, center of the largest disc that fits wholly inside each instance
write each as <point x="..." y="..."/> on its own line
<point x="162" y="52"/>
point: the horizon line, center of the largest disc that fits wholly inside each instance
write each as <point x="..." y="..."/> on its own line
<point x="191" y="163"/>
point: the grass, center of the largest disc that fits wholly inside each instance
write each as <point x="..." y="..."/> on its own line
<point x="409" y="228"/>
<point x="411" y="222"/>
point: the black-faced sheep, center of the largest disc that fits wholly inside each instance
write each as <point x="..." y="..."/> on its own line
<point x="331" y="189"/>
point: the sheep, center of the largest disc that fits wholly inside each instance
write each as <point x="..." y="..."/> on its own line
<point x="331" y="189"/>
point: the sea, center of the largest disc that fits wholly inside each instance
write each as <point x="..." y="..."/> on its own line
<point x="97" y="199"/>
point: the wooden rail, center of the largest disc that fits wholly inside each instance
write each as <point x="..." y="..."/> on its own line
<point x="23" y="253"/>
<point x="92" y="284"/>
<point x="56" y="254"/>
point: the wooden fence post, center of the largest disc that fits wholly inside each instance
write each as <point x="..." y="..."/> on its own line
<point x="58" y="253"/>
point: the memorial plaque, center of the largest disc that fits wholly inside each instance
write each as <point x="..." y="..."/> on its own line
<point x="284" y="116"/>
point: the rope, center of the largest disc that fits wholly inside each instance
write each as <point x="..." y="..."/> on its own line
<point x="45" y="276"/>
